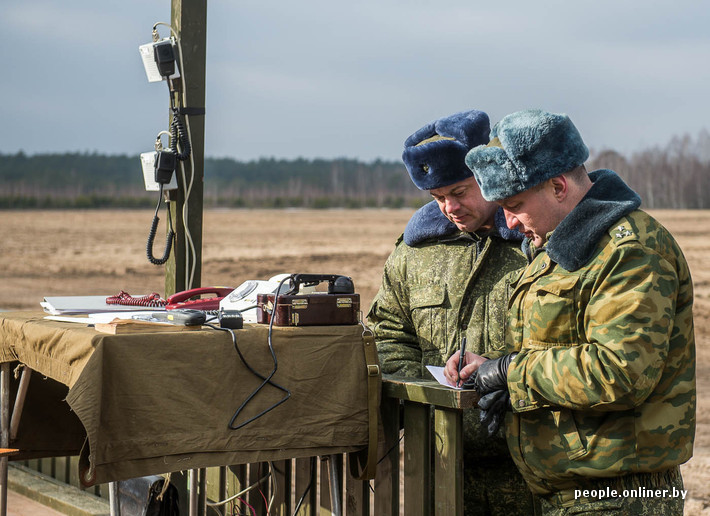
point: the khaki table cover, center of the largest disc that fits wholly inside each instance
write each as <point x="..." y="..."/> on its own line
<point x="160" y="402"/>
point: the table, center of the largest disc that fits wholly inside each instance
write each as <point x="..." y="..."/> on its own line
<point x="142" y="404"/>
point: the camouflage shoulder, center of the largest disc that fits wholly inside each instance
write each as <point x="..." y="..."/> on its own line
<point x="399" y="249"/>
<point x="403" y="247"/>
<point x="396" y="262"/>
<point x="626" y="229"/>
<point x="654" y="235"/>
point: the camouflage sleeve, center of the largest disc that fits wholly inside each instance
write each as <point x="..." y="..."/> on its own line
<point x="390" y="318"/>
<point x="624" y="321"/>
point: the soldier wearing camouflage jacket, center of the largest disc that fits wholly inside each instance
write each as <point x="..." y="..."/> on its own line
<point x="601" y="378"/>
<point x="441" y="286"/>
<point x="443" y="282"/>
<point x="604" y="384"/>
<point x="434" y="292"/>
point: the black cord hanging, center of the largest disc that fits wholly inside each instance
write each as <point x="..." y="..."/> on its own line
<point x="151" y="235"/>
<point x="265" y="379"/>
<point x="178" y="137"/>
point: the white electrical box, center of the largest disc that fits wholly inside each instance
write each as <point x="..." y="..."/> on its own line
<point x="148" y="164"/>
<point x="151" y="67"/>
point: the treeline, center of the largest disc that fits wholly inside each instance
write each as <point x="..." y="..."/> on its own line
<point x="674" y="176"/>
<point x="317" y="183"/>
<point x="84" y="180"/>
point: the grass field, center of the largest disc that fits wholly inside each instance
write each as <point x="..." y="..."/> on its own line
<point x="102" y="252"/>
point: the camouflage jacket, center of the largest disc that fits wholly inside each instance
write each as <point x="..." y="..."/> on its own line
<point x="604" y="383"/>
<point x="436" y="291"/>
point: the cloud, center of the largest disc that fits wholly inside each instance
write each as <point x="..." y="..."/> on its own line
<point x="323" y="79"/>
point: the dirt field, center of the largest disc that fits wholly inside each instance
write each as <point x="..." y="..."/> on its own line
<point x="103" y="252"/>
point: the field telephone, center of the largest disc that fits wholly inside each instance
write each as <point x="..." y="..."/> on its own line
<point x="296" y="307"/>
<point x="244" y="297"/>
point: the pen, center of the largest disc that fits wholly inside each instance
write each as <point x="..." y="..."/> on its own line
<point x="462" y="357"/>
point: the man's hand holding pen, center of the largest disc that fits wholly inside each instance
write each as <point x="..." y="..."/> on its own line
<point x="469" y="364"/>
<point x="489" y="379"/>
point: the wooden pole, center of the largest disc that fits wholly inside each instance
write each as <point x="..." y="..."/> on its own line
<point x="184" y="268"/>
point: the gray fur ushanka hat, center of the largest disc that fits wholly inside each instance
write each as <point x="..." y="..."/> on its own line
<point x="435" y="154"/>
<point x="526" y="148"/>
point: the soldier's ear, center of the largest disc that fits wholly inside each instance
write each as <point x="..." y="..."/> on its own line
<point x="560" y="187"/>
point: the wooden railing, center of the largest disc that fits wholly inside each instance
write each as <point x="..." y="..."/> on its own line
<point x="419" y="471"/>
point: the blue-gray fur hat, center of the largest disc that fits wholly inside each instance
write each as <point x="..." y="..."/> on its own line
<point x="526" y="148"/>
<point x="435" y="154"/>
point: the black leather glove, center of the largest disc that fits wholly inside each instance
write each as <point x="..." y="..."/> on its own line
<point x="493" y="407"/>
<point x="491" y="376"/>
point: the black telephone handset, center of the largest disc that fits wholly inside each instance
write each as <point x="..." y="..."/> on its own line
<point x="337" y="284"/>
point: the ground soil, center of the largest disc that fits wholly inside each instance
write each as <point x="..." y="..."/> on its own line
<point x="50" y="253"/>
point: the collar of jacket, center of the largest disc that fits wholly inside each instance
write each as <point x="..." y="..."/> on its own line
<point x="574" y="240"/>
<point x="428" y="222"/>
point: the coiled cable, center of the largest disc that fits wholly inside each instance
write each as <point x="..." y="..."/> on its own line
<point x="151" y="235"/>
<point x="124" y="298"/>
<point x="178" y="137"/>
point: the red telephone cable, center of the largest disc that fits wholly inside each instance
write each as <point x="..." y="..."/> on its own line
<point x="124" y="298"/>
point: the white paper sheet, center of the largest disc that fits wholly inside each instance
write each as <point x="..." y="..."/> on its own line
<point x="438" y="373"/>
<point x="102" y="317"/>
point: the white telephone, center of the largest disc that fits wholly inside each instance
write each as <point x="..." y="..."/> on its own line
<point x="243" y="298"/>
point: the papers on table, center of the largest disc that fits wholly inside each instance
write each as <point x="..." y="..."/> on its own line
<point x="88" y="305"/>
<point x="97" y="318"/>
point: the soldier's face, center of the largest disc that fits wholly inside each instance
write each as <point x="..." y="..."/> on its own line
<point x="463" y="205"/>
<point x="534" y="212"/>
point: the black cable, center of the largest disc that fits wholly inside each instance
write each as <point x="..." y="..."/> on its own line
<point x="308" y="487"/>
<point x="151" y="235"/>
<point x="178" y="135"/>
<point x="266" y="380"/>
<point x="395" y="445"/>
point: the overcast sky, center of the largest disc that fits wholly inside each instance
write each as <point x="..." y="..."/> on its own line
<point x="318" y="78"/>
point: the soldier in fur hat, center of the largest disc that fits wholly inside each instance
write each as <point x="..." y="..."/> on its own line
<point x="444" y="282"/>
<point x="600" y="374"/>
